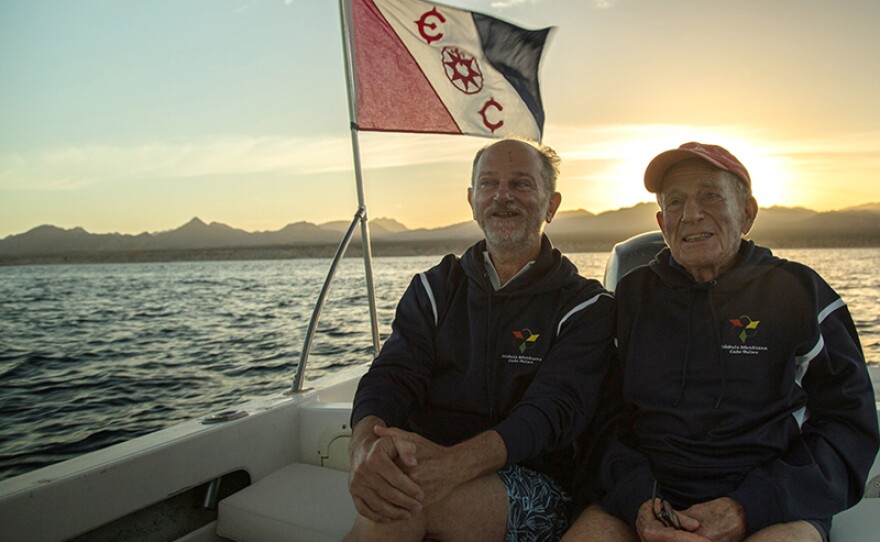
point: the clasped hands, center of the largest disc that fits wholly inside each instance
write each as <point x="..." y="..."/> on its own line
<point x="718" y="520"/>
<point x="395" y="474"/>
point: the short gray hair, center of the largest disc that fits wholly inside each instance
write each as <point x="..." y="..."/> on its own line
<point x="550" y="161"/>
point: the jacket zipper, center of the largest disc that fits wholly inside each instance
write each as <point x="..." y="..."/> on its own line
<point x="490" y="361"/>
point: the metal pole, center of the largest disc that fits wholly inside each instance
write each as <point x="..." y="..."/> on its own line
<point x="365" y="241"/>
<point x="351" y="83"/>
<point x="360" y="216"/>
<point x="299" y="377"/>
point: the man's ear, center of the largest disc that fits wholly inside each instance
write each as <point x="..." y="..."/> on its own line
<point x="750" y="213"/>
<point x="553" y="206"/>
<point x="660" y="219"/>
<point x="470" y="198"/>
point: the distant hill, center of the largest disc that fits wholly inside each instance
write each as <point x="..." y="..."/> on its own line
<point x="618" y="224"/>
<point x="379" y="227"/>
<point x="575" y="230"/>
<point x="875" y="207"/>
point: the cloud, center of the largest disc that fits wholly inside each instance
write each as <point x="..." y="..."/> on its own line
<point x="601" y="153"/>
<point x="619" y="140"/>
<point x="787" y="171"/>
<point x="638" y="143"/>
<point x="504" y="4"/>
<point x="70" y="168"/>
<point x="96" y="164"/>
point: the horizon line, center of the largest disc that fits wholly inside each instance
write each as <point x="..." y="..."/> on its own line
<point x="862" y="206"/>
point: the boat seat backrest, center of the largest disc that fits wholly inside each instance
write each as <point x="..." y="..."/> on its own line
<point x="324" y="434"/>
<point x="299" y="503"/>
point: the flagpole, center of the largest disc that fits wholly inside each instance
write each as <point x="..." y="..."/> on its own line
<point x="360" y="215"/>
<point x="347" y="48"/>
<point x="365" y="241"/>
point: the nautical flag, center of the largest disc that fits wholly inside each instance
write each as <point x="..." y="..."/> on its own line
<point x="423" y="67"/>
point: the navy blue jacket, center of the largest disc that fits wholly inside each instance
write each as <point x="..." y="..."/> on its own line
<point x="527" y="361"/>
<point x="751" y="386"/>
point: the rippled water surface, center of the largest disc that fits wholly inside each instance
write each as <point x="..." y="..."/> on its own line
<point x="92" y="355"/>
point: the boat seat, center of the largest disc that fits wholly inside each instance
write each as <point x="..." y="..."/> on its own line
<point x="857" y="524"/>
<point x="286" y="506"/>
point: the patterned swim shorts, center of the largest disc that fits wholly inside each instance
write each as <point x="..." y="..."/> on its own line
<point x="538" y="508"/>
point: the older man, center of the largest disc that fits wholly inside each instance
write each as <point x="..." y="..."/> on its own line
<point x="750" y="413"/>
<point x="464" y="424"/>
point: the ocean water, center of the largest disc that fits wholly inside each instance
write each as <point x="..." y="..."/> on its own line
<point x="93" y="355"/>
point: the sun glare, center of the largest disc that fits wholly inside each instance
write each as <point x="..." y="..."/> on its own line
<point x="771" y="177"/>
<point x="609" y="171"/>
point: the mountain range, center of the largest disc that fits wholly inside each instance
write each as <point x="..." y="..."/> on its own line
<point x="571" y="230"/>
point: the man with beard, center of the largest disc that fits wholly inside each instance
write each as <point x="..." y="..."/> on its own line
<point x="463" y="427"/>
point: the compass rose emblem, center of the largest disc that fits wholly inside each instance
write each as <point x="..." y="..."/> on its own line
<point x="463" y="70"/>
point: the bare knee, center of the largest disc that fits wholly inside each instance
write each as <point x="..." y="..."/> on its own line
<point x="795" y="531"/>
<point x="475" y="511"/>
<point x="595" y="524"/>
<point x="367" y="530"/>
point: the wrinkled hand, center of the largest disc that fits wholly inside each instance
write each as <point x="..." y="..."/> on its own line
<point x="721" y="520"/>
<point x="434" y="470"/>
<point x="650" y="529"/>
<point x="380" y="489"/>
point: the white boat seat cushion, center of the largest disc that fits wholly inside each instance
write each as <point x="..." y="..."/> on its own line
<point x="858" y="524"/>
<point x="307" y="503"/>
<point x="298" y="503"/>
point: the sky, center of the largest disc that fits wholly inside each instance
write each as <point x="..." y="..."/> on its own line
<point x="130" y="117"/>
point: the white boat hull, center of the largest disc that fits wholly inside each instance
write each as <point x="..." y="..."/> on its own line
<point x="95" y="490"/>
<point x="155" y="487"/>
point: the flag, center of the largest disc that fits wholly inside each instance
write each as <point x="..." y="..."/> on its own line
<point x="423" y="67"/>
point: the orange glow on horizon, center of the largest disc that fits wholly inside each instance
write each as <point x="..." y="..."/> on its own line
<point x="609" y="175"/>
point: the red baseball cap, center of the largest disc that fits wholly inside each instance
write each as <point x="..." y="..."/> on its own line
<point x="714" y="154"/>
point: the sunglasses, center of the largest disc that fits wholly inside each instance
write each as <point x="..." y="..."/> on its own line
<point x="663" y="511"/>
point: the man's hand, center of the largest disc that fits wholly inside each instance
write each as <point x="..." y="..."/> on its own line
<point x="721" y="520"/>
<point x="434" y="468"/>
<point x="441" y="469"/>
<point x="380" y="489"/>
<point x="650" y="529"/>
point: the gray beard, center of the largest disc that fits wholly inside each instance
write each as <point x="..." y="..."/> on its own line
<point x="512" y="240"/>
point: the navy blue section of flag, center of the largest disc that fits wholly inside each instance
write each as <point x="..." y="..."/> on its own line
<point x="516" y="53"/>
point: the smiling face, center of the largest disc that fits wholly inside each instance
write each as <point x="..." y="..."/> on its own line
<point x="510" y="198"/>
<point x="703" y="217"/>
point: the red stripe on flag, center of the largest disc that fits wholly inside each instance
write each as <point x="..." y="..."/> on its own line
<point x="393" y="93"/>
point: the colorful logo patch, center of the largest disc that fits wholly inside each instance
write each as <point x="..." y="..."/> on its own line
<point x="744" y="327"/>
<point x="528" y="339"/>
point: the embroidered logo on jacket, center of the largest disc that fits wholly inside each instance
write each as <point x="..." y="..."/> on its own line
<point x="744" y="327"/>
<point x="526" y="339"/>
